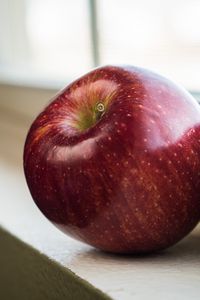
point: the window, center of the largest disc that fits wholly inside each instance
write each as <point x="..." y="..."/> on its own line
<point x="160" y="35"/>
<point x="56" y="41"/>
<point x="44" y="39"/>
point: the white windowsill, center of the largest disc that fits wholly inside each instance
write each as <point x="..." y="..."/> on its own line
<point x="23" y="79"/>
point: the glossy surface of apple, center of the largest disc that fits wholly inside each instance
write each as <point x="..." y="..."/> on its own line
<point x="114" y="160"/>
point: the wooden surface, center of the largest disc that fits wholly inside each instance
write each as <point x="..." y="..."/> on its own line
<point x="39" y="262"/>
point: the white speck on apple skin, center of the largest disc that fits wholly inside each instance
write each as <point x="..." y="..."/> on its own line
<point x="123" y="125"/>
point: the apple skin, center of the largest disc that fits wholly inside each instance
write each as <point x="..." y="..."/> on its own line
<point x="130" y="181"/>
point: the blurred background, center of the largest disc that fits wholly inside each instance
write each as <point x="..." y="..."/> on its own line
<point x="51" y="42"/>
<point x="45" y="44"/>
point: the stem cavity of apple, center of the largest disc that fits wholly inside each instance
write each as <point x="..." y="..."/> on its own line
<point x="91" y="116"/>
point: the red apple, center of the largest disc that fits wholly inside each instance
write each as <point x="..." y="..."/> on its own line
<point x="114" y="160"/>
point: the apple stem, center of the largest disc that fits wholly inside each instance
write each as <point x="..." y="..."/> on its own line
<point x="100" y="109"/>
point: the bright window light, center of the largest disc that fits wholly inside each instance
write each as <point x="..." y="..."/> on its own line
<point x="57" y="41"/>
<point x="58" y="33"/>
<point x="160" y="35"/>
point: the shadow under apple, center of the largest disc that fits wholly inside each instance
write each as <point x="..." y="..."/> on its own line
<point x="183" y="255"/>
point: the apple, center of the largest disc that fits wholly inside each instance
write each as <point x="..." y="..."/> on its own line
<point x="114" y="160"/>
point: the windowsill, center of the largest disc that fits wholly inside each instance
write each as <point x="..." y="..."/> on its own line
<point x="23" y="100"/>
<point x="30" y="80"/>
